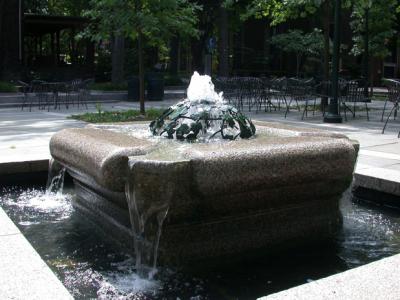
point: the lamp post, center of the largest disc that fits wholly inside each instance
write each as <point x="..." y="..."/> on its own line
<point x="333" y="115"/>
<point x="366" y="53"/>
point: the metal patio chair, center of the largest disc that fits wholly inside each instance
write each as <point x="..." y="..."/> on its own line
<point x="352" y="95"/>
<point x="301" y="91"/>
<point x="35" y="92"/>
<point x="393" y="87"/>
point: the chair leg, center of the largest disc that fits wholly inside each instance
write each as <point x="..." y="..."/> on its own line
<point x="387" y="120"/>
<point x="298" y="106"/>
<point x="305" y="110"/>
<point x="383" y="112"/>
<point x="24" y="103"/>
<point x="315" y="106"/>
<point x="86" y="100"/>
<point x="288" y="107"/>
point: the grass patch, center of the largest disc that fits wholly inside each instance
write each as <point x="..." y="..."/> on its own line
<point x="108" y="86"/>
<point x="118" y="116"/>
<point x="6" y="87"/>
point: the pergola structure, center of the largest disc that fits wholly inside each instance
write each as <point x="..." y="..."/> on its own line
<point x="32" y="42"/>
<point x="42" y="36"/>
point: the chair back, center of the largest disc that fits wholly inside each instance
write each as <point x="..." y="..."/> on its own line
<point x="393" y="87"/>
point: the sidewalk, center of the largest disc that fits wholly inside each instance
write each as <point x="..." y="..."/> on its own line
<point x="15" y="100"/>
<point x="23" y="273"/>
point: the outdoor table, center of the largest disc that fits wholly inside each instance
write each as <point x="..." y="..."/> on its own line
<point x="55" y="88"/>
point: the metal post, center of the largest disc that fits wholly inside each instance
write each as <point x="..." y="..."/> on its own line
<point x="333" y="115"/>
<point x="366" y="53"/>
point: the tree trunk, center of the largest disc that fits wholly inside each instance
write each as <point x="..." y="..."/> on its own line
<point x="223" y="43"/>
<point x="298" y="60"/>
<point x="141" y="72"/>
<point x="326" y="24"/>
<point x="366" y="53"/>
<point x="138" y="8"/>
<point x="174" y="55"/>
<point x="117" y="64"/>
<point x="2" y="2"/>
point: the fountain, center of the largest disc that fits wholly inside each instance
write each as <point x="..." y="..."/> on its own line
<point x="205" y="182"/>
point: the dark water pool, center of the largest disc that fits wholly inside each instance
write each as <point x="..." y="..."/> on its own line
<point x="92" y="268"/>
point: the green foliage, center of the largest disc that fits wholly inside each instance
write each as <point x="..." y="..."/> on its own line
<point x="108" y="86"/>
<point x="276" y="10"/>
<point x="381" y="24"/>
<point x="299" y="43"/>
<point x="6" y="87"/>
<point x="172" y="80"/>
<point x="99" y="108"/>
<point x="56" y="7"/>
<point x="117" y="116"/>
<point x="157" y="20"/>
<point x="382" y="18"/>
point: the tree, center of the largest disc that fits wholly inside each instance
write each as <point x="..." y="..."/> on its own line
<point x="278" y="11"/>
<point x="299" y="43"/>
<point x="146" y="21"/>
<point x="373" y="24"/>
<point x="56" y="7"/>
<point x="382" y="15"/>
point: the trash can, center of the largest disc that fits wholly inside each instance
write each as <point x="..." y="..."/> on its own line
<point x="155" y="86"/>
<point x="133" y="88"/>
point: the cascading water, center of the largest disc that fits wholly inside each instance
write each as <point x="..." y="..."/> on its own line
<point x="55" y="178"/>
<point x="147" y="217"/>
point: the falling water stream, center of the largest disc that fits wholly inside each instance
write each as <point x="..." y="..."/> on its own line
<point x="55" y="179"/>
<point x="146" y="221"/>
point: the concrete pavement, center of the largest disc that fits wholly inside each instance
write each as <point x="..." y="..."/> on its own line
<point x="23" y="274"/>
<point x="24" y="136"/>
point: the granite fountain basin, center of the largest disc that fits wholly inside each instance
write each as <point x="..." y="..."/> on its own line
<point x="220" y="198"/>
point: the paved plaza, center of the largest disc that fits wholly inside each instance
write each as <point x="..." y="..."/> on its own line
<point x="24" y="135"/>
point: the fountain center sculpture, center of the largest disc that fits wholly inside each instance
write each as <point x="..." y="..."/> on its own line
<point x="184" y="202"/>
<point x="203" y="115"/>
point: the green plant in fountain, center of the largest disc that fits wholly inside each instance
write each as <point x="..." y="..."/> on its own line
<point x="186" y="123"/>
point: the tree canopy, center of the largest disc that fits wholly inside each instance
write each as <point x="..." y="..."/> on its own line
<point x="300" y="43"/>
<point x="152" y="22"/>
<point x="381" y="26"/>
<point x="56" y="7"/>
<point x="381" y="22"/>
<point x="157" y="20"/>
